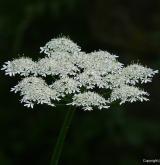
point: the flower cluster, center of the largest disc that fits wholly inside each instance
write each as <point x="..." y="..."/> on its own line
<point x="35" y="89"/>
<point x="78" y="75"/>
<point x="89" y="99"/>
<point x="60" y="45"/>
<point x="23" y="66"/>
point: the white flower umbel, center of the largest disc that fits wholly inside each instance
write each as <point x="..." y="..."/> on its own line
<point x="23" y="66"/>
<point x="88" y="100"/>
<point x="56" y="66"/>
<point x="77" y="74"/>
<point x="100" y="62"/>
<point x="127" y="93"/>
<point x="60" y="45"/>
<point x="131" y="75"/>
<point x="66" y="86"/>
<point x="35" y="90"/>
<point x="135" y="73"/>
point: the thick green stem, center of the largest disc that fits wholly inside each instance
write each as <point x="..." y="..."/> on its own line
<point x="63" y="132"/>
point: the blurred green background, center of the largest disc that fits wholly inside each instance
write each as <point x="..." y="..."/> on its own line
<point x="121" y="135"/>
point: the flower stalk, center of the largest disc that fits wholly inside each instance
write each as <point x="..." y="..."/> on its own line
<point x="61" y="138"/>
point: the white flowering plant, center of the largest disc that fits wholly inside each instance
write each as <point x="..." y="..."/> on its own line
<point x="77" y="74"/>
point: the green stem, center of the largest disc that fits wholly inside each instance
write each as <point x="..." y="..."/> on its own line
<point x="63" y="132"/>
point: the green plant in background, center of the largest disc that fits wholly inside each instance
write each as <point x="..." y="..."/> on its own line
<point x="77" y="79"/>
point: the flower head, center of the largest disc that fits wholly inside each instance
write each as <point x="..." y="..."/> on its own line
<point x="66" y="86"/>
<point x="88" y="100"/>
<point x="137" y="73"/>
<point x="60" y="45"/>
<point x="23" y="66"/>
<point x="56" y="66"/>
<point x="126" y="93"/>
<point x="77" y="74"/>
<point x="35" y="90"/>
